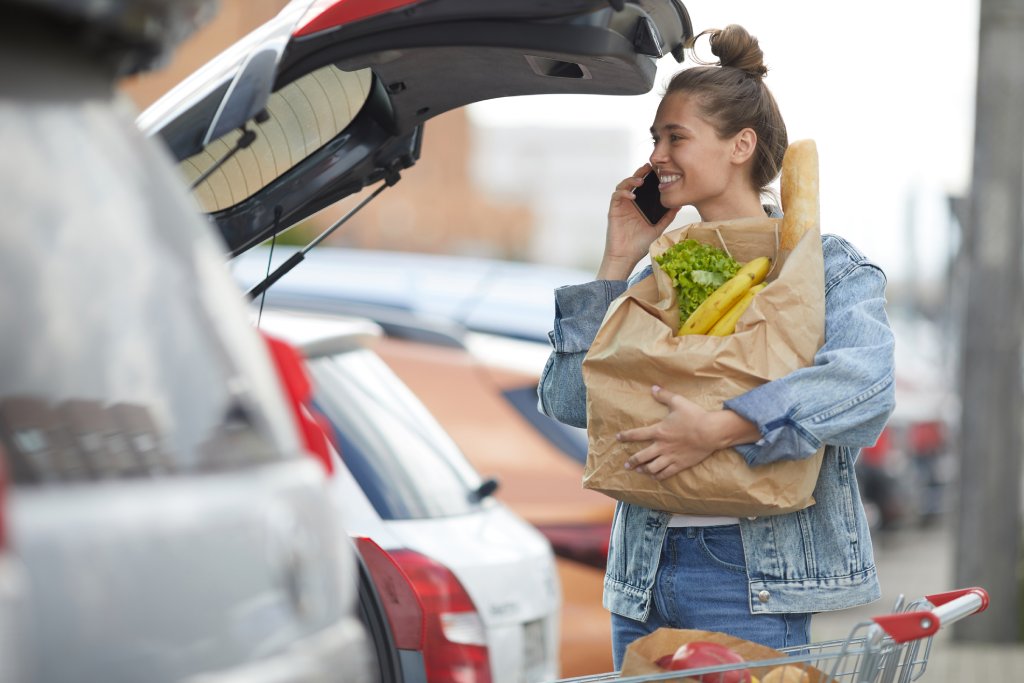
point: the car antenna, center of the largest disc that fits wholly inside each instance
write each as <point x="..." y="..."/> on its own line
<point x="247" y="137"/>
<point x="391" y="176"/>
<point x="270" y="259"/>
<point x="465" y="307"/>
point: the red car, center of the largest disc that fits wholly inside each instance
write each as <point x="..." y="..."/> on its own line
<point x="906" y="475"/>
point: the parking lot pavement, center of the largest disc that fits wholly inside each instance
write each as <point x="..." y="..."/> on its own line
<point x="915" y="562"/>
<point x="911" y="562"/>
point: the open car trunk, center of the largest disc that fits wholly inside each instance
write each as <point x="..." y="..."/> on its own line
<point x="332" y="96"/>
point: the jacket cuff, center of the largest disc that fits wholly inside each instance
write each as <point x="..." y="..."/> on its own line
<point x="579" y="312"/>
<point x="771" y="408"/>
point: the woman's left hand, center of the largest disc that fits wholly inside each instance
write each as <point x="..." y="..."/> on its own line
<point x="685" y="437"/>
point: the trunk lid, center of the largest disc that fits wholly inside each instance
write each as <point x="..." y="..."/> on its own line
<point x="333" y="96"/>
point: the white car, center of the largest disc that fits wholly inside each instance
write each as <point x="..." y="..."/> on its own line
<point x="486" y="579"/>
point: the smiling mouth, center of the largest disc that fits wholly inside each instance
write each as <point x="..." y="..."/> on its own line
<point x="666" y="180"/>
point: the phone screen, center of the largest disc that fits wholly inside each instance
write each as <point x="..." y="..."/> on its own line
<point x="648" y="199"/>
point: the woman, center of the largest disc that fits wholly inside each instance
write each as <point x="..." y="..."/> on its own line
<point x="719" y="141"/>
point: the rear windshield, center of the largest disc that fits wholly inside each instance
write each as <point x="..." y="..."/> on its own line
<point x="405" y="463"/>
<point x="302" y="117"/>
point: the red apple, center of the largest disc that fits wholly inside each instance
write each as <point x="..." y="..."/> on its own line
<point x="664" y="661"/>
<point x="700" y="654"/>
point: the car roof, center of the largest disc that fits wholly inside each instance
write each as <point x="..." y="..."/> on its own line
<point x="432" y="291"/>
<point x="318" y="335"/>
<point x="310" y="109"/>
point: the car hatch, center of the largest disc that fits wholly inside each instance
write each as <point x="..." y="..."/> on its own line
<point x="331" y="96"/>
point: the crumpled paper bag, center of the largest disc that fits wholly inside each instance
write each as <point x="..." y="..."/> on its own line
<point x="642" y="653"/>
<point x="637" y="347"/>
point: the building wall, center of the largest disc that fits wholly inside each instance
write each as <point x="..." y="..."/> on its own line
<point x="439" y="206"/>
<point x="234" y="19"/>
<point x="567" y="175"/>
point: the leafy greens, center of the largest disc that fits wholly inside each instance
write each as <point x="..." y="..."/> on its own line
<point x="696" y="270"/>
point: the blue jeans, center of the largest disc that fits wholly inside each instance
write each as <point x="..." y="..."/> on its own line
<point x="702" y="584"/>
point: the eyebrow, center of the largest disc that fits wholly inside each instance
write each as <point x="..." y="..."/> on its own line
<point x="669" y="127"/>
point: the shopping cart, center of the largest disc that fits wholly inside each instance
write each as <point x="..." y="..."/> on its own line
<point x="894" y="647"/>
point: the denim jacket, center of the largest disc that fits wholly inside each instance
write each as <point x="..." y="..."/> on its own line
<point x="816" y="559"/>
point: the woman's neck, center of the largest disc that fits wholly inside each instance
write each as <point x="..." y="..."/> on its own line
<point x="746" y="206"/>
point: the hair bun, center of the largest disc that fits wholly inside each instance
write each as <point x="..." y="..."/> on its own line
<point x="736" y="48"/>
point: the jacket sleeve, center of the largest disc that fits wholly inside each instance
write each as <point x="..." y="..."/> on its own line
<point x="579" y="311"/>
<point x="847" y="395"/>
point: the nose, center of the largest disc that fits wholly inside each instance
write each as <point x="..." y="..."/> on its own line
<point x="658" y="155"/>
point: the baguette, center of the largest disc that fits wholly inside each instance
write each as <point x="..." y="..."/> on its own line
<point x="787" y="673"/>
<point x="799" y="188"/>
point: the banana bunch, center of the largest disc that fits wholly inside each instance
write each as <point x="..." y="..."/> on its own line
<point x="717" y="315"/>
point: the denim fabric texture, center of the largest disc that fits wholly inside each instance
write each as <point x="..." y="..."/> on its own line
<point x="813" y="560"/>
<point x="702" y="583"/>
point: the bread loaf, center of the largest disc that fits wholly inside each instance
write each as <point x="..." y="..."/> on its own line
<point x="799" y="185"/>
<point x="787" y="673"/>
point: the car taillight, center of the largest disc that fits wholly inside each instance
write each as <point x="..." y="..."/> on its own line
<point x="452" y="636"/>
<point x="291" y="370"/>
<point x="875" y="455"/>
<point x="456" y="646"/>
<point x="586" y="543"/>
<point x="402" y="605"/>
<point x="326" y="14"/>
<point x="927" y="438"/>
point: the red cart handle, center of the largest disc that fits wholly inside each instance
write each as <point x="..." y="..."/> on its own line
<point x="949" y="607"/>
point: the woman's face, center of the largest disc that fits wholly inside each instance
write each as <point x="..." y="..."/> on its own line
<point x="695" y="166"/>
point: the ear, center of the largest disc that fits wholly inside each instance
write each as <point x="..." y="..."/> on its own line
<point x="744" y="144"/>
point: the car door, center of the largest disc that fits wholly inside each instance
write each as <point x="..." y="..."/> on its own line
<point x="331" y="97"/>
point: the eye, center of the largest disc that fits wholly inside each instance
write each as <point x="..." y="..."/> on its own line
<point x="675" y="138"/>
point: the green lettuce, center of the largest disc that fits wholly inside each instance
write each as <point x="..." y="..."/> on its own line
<point x="696" y="270"/>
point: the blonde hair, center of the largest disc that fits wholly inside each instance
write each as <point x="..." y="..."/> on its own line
<point x="732" y="95"/>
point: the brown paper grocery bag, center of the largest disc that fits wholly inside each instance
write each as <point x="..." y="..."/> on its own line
<point x="642" y="653"/>
<point x="637" y="347"/>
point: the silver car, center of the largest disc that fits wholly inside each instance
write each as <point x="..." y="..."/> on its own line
<point x="159" y="520"/>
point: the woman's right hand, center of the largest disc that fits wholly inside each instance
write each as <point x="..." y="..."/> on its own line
<point x="629" y="235"/>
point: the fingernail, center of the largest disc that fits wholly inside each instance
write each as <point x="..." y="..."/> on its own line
<point x="655" y="388"/>
<point x="627" y="466"/>
<point x="618" y="437"/>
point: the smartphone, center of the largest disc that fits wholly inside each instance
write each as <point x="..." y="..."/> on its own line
<point x="648" y="199"/>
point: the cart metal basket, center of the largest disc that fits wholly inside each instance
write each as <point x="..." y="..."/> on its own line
<point x="889" y="648"/>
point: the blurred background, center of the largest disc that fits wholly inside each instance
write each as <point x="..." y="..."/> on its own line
<point x="887" y="91"/>
<point x="891" y="110"/>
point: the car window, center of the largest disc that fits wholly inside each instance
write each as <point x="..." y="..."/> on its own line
<point x="406" y="464"/>
<point x="302" y="117"/>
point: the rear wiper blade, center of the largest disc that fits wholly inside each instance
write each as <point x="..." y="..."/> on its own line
<point x="391" y="176"/>
<point x="247" y="137"/>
